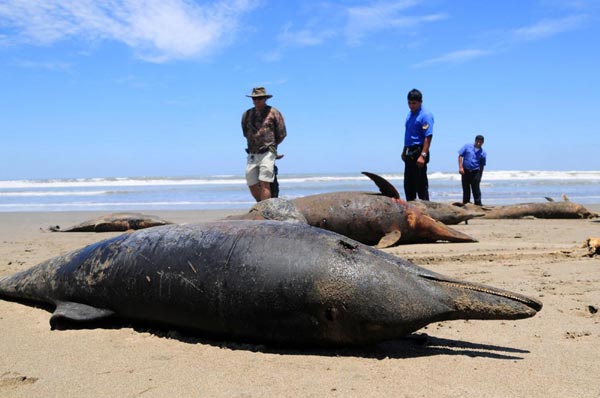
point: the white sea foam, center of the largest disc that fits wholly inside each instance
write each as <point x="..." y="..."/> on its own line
<point x="116" y="182"/>
<point x="293" y="179"/>
<point x="209" y="192"/>
<point x="124" y="204"/>
<point x="54" y="193"/>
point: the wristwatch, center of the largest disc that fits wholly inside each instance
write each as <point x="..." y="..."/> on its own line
<point x="424" y="154"/>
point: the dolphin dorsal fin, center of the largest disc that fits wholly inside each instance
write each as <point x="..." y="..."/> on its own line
<point x="385" y="187"/>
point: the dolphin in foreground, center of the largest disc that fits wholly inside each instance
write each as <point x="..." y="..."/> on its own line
<point x="257" y="281"/>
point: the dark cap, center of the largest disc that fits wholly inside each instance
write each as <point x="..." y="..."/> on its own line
<point x="479" y="137"/>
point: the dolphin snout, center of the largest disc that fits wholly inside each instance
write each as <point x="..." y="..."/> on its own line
<point x="477" y="301"/>
<point x="434" y="230"/>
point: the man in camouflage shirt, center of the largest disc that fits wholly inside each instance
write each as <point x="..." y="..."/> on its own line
<point x="264" y="129"/>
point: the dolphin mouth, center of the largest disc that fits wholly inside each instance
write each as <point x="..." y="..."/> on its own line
<point x="528" y="301"/>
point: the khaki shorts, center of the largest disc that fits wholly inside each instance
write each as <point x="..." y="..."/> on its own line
<point x="260" y="168"/>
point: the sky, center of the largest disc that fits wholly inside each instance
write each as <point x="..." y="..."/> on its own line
<point x="116" y="88"/>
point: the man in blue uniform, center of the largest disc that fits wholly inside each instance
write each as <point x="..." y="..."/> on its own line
<point x="417" y="141"/>
<point x="471" y="161"/>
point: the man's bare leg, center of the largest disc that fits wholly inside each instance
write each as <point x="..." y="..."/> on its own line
<point x="255" y="190"/>
<point x="265" y="190"/>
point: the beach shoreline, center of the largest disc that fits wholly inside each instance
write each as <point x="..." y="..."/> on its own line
<point x="552" y="354"/>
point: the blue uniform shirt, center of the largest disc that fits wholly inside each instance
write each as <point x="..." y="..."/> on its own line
<point x="418" y="126"/>
<point x="473" y="159"/>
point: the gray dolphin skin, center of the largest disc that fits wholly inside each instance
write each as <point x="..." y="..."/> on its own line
<point x="381" y="219"/>
<point x="114" y="222"/>
<point x="375" y="219"/>
<point x="257" y="281"/>
<point x="445" y="212"/>
<point x="272" y="209"/>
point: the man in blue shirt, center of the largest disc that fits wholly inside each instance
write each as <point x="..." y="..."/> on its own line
<point x="417" y="140"/>
<point x="471" y="161"/>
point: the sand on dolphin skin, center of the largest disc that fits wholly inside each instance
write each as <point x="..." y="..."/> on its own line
<point x="554" y="354"/>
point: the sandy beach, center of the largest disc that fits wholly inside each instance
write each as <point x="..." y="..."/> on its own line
<point x="554" y="354"/>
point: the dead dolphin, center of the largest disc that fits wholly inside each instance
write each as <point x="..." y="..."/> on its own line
<point x="446" y="213"/>
<point x="375" y="219"/>
<point x="272" y="209"/>
<point x="258" y="281"/>
<point x="114" y="222"/>
<point x="550" y="209"/>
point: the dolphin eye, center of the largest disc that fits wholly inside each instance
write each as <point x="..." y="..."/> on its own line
<point x="331" y="314"/>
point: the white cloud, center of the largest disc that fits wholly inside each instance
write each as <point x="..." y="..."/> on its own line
<point x="353" y="24"/>
<point x="305" y="37"/>
<point x="157" y="30"/>
<point x="49" y="65"/>
<point x="366" y="20"/>
<point x="455" y="57"/>
<point x="543" y="29"/>
<point x="548" y="27"/>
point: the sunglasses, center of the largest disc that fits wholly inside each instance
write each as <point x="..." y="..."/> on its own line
<point x="258" y="98"/>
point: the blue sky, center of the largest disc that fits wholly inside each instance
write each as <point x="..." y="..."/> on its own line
<point x="96" y="88"/>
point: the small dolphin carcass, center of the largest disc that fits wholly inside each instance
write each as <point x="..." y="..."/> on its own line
<point x="256" y="281"/>
<point x="115" y="222"/>
<point x="564" y="209"/>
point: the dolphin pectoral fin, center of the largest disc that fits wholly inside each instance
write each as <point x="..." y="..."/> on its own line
<point x="76" y="313"/>
<point x="385" y="187"/>
<point x="389" y="239"/>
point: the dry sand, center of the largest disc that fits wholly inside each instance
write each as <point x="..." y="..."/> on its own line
<point x="554" y="354"/>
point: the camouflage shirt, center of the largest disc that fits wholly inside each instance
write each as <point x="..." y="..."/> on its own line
<point x="263" y="129"/>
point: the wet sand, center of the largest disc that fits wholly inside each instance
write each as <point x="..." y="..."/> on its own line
<point x="554" y="354"/>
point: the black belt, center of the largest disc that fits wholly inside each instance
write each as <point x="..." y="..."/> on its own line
<point x="260" y="152"/>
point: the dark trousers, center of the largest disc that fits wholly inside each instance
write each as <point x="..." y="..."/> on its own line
<point x="415" y="181"/>
<point x="470" y="181"/>
<point x="275" y="184"/>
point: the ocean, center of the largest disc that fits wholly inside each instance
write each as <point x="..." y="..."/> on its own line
<point x="231" y="192"/>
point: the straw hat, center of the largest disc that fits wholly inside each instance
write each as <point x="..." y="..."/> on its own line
<point x="259" y="92"/>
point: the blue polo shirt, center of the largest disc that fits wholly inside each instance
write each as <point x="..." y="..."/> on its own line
<point x="473" y="159"/>
<point x="418" y="126"/>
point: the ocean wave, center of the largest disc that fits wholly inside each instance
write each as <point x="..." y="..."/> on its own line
<point x="54" y="193"/>
<point x="123" y="205"/>
<point x="290" y="178"/>
<point x="110" y="182"/>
